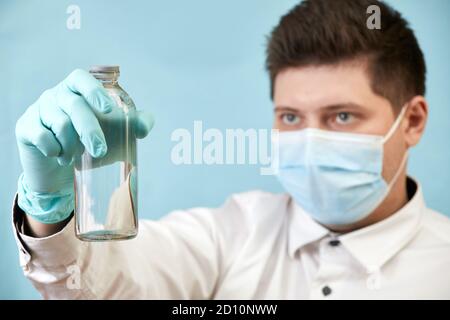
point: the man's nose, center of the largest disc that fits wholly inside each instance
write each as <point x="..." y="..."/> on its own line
<point x="314" y="123"/>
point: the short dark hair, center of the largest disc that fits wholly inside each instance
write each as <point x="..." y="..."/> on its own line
<point x="318" y="32"/>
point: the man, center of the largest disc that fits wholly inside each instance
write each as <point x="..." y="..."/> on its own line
<point x="349" y="102"/>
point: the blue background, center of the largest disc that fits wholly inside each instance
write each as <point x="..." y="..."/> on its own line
<point x="184" y="61"/>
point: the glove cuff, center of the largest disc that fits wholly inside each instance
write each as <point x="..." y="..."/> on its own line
<point x="46" y="208"/>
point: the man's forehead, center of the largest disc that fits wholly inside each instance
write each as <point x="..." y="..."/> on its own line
<point x="323" y="86"/>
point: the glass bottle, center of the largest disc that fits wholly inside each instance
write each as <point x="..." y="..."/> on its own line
<point x="106" y="187"/>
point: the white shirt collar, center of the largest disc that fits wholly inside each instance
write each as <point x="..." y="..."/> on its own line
<point x="302" y="229"/>
<point x="373" y="245"/>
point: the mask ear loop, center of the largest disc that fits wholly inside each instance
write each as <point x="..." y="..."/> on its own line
<point x="405" y="156"/>
<point x="396" y="124"/>
<point x="397" y="174"/>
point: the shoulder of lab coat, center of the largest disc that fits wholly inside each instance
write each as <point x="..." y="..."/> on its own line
<point x="184" y="255"/>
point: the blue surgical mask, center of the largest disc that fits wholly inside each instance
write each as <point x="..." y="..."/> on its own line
<point x="335" y="177"/>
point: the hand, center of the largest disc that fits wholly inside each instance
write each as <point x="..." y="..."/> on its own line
<point x="55" y="130"/>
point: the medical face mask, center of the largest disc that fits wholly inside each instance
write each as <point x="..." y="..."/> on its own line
<point x="335" y="177"/>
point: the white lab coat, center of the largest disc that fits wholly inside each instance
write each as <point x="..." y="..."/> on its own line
<point x="258" y="245"/>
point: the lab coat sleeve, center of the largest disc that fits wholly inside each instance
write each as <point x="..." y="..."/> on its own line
<point x="176" y="257"/>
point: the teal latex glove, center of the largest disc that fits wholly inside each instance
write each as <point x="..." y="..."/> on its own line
<point x="55" y="130"/>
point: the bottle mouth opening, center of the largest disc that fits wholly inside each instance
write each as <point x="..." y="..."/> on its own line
<point x="105" y="72"/>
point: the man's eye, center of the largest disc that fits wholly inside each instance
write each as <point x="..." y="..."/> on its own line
<point x="344" y="118"/>
<point x="290" y="119"/>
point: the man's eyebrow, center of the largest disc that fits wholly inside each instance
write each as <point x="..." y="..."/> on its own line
<point x="339" y="106"/>
<point x="331" y="107"/>
<point x="283" y="108"/>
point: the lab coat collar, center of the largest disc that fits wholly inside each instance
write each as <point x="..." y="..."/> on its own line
<point x="373" y="245"/>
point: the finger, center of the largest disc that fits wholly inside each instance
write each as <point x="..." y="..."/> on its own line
<point x="83" y="83"/>
<point x="60" y="124"/>
<point x="144" y="124"/>
<point x="31" y="131"/>
<point x="84" y="121"/>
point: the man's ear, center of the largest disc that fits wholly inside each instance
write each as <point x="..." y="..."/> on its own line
<point x="415" y="120"/>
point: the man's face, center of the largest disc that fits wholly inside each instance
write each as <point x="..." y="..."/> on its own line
<point x="337" y="98"/>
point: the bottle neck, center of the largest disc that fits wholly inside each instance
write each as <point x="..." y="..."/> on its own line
<point x="107" y="75"/>
<point x="106" y="78"/>
<point x="108" y="82"/>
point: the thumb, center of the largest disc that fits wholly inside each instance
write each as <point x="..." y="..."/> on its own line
<point x="144" y="124"/>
